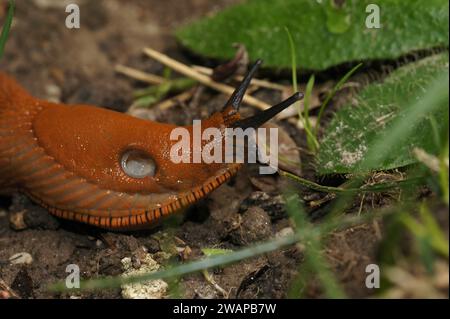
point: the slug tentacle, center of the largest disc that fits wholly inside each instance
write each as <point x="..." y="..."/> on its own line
<point x="238" y="95"/>
<point x="264" y="116"/>
<point x="106" y="168"/>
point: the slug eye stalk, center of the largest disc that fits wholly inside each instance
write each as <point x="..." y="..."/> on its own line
<point x="262" y="117"/>
<point x="237" y="96"/>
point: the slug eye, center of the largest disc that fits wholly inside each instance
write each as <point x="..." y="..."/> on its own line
<point x="137" y="164"/>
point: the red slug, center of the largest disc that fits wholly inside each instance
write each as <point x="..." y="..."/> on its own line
<point x="102" y="167"/>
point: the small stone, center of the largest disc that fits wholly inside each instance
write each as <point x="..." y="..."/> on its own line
<point x="53" y="93"/>
<point x="152" y="245"/>
<point x="287" y="231"/>
<point x="24" y="214"/>
<point x="184" y="252"/>
<point x="153" y="289"/>
<point x="16" y="220"/>
<point x="23" y="284"/>
<point x="21" y="258"/>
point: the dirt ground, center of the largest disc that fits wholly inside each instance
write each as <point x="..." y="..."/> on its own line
<point x="77" y="66"/>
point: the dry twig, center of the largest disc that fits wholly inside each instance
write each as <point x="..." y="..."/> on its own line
<point x="203" y="79"/>
<point x="257" y="82"/>
<point x="139" y="75"/>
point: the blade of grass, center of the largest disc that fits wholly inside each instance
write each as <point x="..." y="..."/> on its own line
<point x="196" y="266"/>
<point x="309" y="135"/>
<point x="307" y="100"/>
<point x="443" y="174"/>
<point x="423" y="232"/>
<point x="314" y="259"/>
<point x="6" y="27"/>
<point x="331" y="94"/>
<point x="299" y="285"/>
<point x="296" y="211"/>
<point x="293" y="65"/>
<point x="434" y="232"/>
<point x="221" y="260"/>
<point x="434" y="127"/>
<point x="313" y="144"/>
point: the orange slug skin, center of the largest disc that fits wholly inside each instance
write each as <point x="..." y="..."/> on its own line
<point x="67" y="159"/>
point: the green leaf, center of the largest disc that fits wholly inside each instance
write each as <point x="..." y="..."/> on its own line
<point x="394" y="116"/>
<point x="324" y="36"/>
<point x="338" y="21"/>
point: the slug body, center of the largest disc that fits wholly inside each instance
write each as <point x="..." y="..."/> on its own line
<point x="71" y="159"/>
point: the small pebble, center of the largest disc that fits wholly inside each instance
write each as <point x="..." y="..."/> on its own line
<point x="21" y="258"/>
<point x="153" y="289"/>
<point x="53" y="93"/>
<point x="16" y="220"/>
<point x="284" y="232"/>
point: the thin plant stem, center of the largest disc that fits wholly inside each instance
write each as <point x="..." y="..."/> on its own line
<point x="6" y="27"/>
